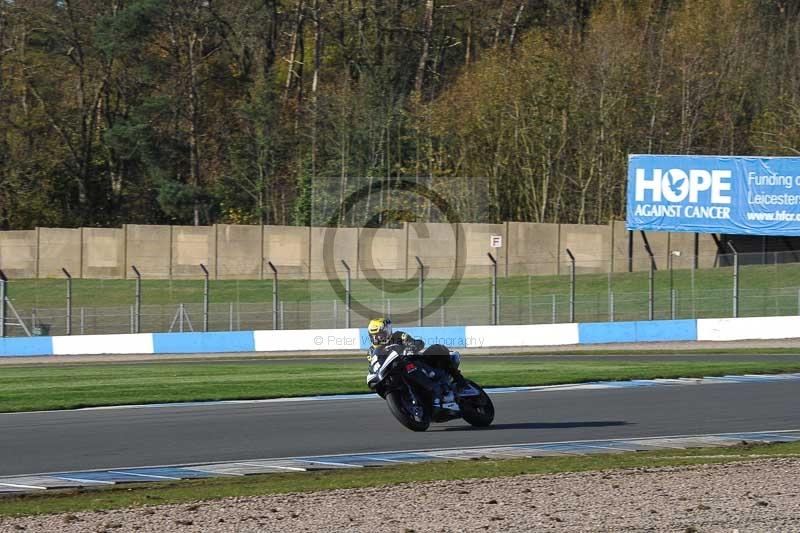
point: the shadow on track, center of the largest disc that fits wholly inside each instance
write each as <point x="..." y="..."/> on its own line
<point x="541" y="425"/>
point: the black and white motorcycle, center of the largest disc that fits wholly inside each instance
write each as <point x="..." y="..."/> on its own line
<point x="426" y="386"/>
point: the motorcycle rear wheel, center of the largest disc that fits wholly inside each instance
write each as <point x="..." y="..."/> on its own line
<point x="478" y="412"/>
<point x="399" y="406"/>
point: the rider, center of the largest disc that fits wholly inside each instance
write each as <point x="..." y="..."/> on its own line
<point x="381" y="336"/>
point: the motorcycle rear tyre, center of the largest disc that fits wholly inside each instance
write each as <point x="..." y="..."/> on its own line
<point x="478" y="412"/>
<point x="397" y="407"/>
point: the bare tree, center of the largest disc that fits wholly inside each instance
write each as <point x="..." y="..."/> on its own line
<point x="427" y="27"/>
<point x="293" y="77"/>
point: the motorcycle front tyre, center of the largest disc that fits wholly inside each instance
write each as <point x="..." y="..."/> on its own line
<point x="478" y="412"/>
<point x="397" y="405"/>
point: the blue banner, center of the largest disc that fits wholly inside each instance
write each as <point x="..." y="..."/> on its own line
<point x="712" y="194"/>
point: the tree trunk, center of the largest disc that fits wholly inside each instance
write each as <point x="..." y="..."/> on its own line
<point x="514" y="26"/>
<point x="427" y="26"/>
<point x="4" y="108"/>
<point x="194" y="119"/>
<point x="291" y="75"/>
<point x="314" y="84"/>
<point x="270" y="38"/>
<point x="498" y="25"/>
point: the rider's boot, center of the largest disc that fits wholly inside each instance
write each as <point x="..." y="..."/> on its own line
<point x="444" y="398"/>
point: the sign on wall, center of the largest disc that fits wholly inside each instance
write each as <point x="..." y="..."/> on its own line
<point x="712" y="194"/>
<point x="496" y="241"/>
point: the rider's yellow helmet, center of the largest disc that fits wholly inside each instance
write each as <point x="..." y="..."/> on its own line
<point x="380" y="331"/>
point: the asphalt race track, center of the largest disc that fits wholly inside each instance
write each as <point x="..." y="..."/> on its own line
<point x="198" y="433"/>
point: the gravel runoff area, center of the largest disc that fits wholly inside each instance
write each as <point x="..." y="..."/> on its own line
<point x="758" y="495"/>
<point x="634" y="347"/>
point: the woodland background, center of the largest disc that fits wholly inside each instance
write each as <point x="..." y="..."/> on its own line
<point x="227" y="111"/>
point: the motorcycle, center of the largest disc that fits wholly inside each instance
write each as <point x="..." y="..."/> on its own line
<point x="420" y="388"/>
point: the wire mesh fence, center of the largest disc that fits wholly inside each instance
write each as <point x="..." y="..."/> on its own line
<point x="750" y="285"/>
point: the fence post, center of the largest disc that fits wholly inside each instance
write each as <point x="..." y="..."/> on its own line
<point x="651" y="289"/>
<point x="335" y="313"/>
<point x="69" y="300"/>
<point x="672" y="253"/>
<point x="274" y="295"/>
<point x="138" y="302"/>
<point x="650" y="280"/>
<point x="421" y="289"/>
<point x="611" y="307"/>
<point x="499" y="305"/>
<point x="735" y="280"/>
<point x="571" y="286"/>
<point x="530" y="302"/>
<point x="673" y="302"/>
<point x="495" y="314"/>
<point x="346" y="295"/>
<point x="205" y="296"/>
<point x="3" y="292"/>
<point x="555" y="313"/>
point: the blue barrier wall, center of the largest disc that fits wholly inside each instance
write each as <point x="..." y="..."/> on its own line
<point x="13" y="347"/>
<point x="235" y="341"/>
<point x="642" y="331"/>
<point x="452" y="336"/>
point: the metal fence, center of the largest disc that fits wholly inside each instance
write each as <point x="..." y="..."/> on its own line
<point x="577" y="289"/>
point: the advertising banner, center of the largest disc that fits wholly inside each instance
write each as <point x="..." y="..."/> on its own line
<point x="714" y="194"/>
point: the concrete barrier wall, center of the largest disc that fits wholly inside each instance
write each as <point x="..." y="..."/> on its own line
<point x="148" y="248"/>
<point x="591" y="246"/>
<point x="355" y="339"/>
<point x="532" y="249"/>
<point x="192" y="246"/>
<point x="382" y="253"/>
<point x="619" y="246"/>
<point x="289" y="249"/>
<point x="59" y="248"/>
<point x="476" y="239"/>
<point x="436" y="245"/>
<point x="104" y="253"/>
<point x="19" y="253"/>
<point x="343" y="245"/>
<point x="241" y="252"/>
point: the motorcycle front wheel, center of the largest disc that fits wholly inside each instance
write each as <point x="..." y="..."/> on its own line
<point x="478" y="411"/>
<point x="401" y="407"/>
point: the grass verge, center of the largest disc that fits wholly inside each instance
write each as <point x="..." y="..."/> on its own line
<point x="34" y="387"/>
<point x="213" y="489"/>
